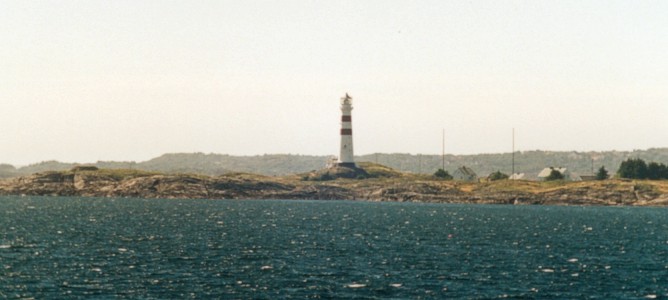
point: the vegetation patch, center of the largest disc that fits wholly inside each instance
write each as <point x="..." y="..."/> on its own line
<point x="116" y="174"/>
<point x="639" y="169"/>
<point x="497" y="176"/>
<point x="379" y="171"/>
<point x="442" y="174"/>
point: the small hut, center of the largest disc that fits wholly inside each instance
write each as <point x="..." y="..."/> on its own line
<point x="464" y="173"/>
<point x="517" y="176"/>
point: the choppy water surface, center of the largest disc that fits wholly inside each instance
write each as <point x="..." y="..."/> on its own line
<point x="132" y="248"/>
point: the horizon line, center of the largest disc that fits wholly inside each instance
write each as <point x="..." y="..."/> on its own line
<point x="329" y="155"/>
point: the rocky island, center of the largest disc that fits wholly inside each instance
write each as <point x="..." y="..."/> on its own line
<point x="379" y="184"/>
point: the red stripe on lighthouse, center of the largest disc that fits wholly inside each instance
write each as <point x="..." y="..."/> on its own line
<point x="346" y="119"/>
<point x="346" y="131"/>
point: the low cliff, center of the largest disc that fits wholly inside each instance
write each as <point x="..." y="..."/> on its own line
<point x="399" y="187"/>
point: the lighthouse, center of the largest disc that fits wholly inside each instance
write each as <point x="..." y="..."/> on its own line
<point x="346" y="158"/>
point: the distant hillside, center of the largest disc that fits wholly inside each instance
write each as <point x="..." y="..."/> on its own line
<point x="528" y="162"/>
<point x="218" y="164"/>
<point x="197" y="163"/>
<point x="7" y="171"/>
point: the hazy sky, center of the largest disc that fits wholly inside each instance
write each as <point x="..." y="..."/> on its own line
<point x="130" y="80"/>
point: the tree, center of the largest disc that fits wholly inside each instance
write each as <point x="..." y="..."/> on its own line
<point x="554" y="175"/>
<point x="638" y="169"/>
<point x="633" y="169"/>
<point x="602" y="173"/>
<point x="654" y="171"/>
<point x="440" y="173"/>
<point x="497" y="176"/>
<point x="663" y="172"/>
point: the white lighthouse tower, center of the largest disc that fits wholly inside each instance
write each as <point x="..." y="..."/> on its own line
<point x="346" y="158"/>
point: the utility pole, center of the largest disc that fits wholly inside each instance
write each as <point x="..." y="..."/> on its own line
<point x="592" y="166"/>
<point x="443" y="150"/>
<point x="513" y="173"/>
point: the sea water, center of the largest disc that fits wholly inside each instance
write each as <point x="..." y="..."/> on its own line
<point x="59" y="247"/>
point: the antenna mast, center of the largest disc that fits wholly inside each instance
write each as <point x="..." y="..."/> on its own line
<point x="443" y="150"/>
<point x="592" y="166"/>
<point x="513" y="152"/>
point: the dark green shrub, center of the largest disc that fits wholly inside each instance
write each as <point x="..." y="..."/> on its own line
<point x="633" y="169"/>
<point x="602" y="174"/>
<point x="554" y="175"/>
<point x="498" y="176"/>
<point x="443" y="174"/>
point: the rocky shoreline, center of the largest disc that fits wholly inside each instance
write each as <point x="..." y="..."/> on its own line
<point x="137" y="184"/>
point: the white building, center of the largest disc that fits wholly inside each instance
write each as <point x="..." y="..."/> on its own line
<point x="516" y="176"/>
<point x="542" y="176"/>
